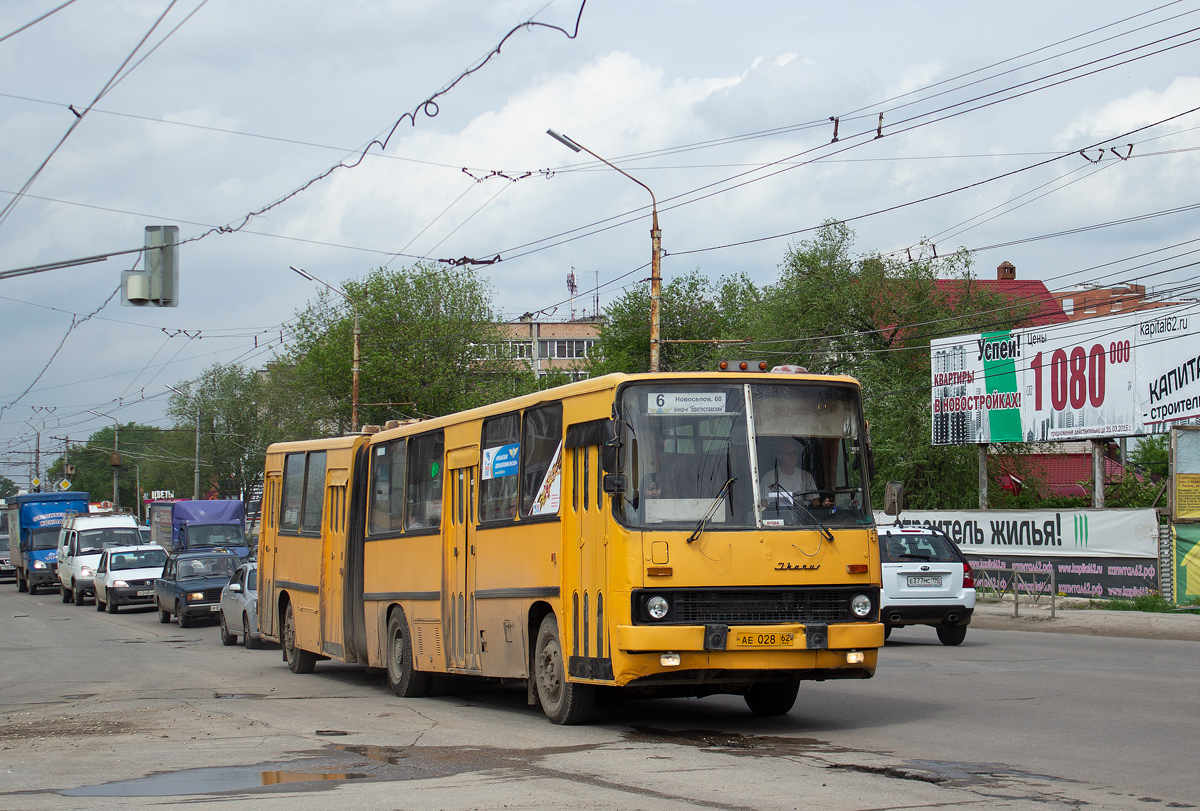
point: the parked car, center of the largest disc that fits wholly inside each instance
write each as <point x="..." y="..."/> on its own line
<point x="81" y="540"/>
<point x="191" y="583"/>
<point x="926" y="581"/>
<point x="239" y="607"/>
<point x="125" y="575"/>
<point x="7" y="569"/>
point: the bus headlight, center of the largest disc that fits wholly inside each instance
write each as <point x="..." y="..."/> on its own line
<point x="860" y="605"/>
<point x="85" y="571"/>
<point x="657" y="607"/>
<point x="37" y="564"/>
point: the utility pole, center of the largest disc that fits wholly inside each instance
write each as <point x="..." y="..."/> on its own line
<point x="196" y="473"/>
<point x="115" y="460"/>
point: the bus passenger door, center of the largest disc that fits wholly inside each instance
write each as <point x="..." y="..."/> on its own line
<point x="268" y="548"/>
<point x="458" y="607"/>
<point x="590" y="648"/>
<point x="333" y="562"/>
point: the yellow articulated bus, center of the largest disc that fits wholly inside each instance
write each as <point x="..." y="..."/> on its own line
<point x="671" y="534"/>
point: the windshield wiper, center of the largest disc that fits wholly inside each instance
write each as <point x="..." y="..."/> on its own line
<point x="712" y="509"/>
<point x="824" y="529"/>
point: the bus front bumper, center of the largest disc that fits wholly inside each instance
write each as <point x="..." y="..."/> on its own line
<point x="757" y="638"/>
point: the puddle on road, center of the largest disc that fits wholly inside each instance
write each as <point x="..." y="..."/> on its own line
<point x="206" y="781"/>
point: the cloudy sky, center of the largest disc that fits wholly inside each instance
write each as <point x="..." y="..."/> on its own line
<point x="197" y="113"/>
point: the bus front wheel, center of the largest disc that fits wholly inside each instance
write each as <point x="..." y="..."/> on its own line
<point x="298" y="660"/>
<point x="564" y="702"/>
<point x="772" y="698"/>
<point x="402" y="674"/>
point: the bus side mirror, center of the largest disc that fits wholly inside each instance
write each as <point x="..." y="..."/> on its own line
<point x="616" y="484"/>
<point x="893" y="495"/>
<point x="610" y="446"/>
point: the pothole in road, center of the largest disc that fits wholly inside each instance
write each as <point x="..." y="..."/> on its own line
<point x="734" y="743"/>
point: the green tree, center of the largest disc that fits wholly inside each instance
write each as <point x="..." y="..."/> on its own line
<point x="7" y="487"/>
<point x="691" y="309"/>
<point x="834" y="312"/>
<point x="234" y="429"/>
<point x="147" y="454"/>
<point x="431" y="344"/>
<point x="1152" y="453"/>
<point x="873" y="317"/>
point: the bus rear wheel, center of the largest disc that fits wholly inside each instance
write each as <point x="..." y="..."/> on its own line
<point x="564" y="702"/>
<point x="298" y="660"/>
<point x="402" y="675"/>
<point x="772" y="698"/>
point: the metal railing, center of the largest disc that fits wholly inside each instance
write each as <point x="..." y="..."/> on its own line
<point x="1034" y="585"/>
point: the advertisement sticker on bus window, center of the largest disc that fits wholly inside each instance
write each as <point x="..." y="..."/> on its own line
<point x="686" y="402"/>
<point x="546" y="501"/>
<point x="501" y="461"/>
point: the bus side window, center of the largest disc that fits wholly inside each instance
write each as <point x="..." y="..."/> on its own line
<point x="541" y="445"/>
<point x="387" y="487"/>
<point x="500" y="468"/>
<point x="424" y="494"/>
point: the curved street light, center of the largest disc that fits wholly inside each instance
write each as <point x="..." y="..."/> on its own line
<point x="655" y="244"/>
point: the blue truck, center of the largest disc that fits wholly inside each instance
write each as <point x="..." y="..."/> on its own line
<point x="179" y="526"/>
<point x="33" y="524"/>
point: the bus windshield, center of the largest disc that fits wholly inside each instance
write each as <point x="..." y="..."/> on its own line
<point x="769" y="455"/>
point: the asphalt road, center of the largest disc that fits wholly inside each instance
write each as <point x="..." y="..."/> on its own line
<point x="100" y="711"/>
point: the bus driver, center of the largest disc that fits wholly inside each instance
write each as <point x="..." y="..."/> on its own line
<point x="786" y="477"/>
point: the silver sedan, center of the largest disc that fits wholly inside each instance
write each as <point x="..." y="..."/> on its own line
<point x="239" y="607"/>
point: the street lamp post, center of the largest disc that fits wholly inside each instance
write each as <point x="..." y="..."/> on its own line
<point x="355" y="366"/>
<point x="655" y="245"/>
<point x="196" y="474"/>
<point x="115" y="461"/>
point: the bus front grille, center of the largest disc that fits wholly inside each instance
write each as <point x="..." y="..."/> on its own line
<point x="767" y="606"/>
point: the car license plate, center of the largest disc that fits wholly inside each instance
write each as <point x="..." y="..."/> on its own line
<point x="765" y="640"/>
<point x="917" y="580"/>
<point x="146" y="593"/>
<point x="214" y="608"/>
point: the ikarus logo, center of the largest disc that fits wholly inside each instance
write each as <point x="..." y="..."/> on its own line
<point x="1081" y="531"/>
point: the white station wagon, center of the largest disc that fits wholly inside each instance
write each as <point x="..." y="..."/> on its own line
<point x="926" y="581"/>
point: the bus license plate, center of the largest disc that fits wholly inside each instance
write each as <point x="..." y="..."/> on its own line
<point x="767" y="640"/>
<point x="916" y="580"/>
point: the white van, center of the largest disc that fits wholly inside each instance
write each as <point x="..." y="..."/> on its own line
<point x="81" y="540"/>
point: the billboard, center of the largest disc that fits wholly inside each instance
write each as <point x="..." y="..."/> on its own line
<point x="1122" y="375"/>
<point x="1119" y="533"/>
<point x="1092" y="553"/>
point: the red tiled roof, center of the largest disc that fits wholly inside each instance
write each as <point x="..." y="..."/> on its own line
<point x="1059" y="474"/>
<point x="1047" y="308"/>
